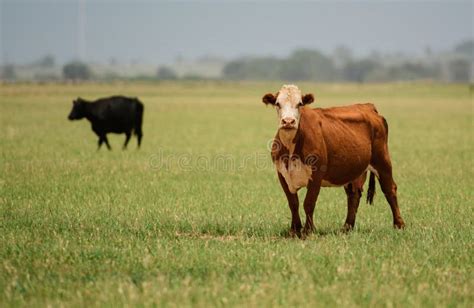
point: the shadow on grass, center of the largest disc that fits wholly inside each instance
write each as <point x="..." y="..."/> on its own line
<point x="173" y="229"/>
<point x="327" y="232"/>
<point x="234" y="232"/>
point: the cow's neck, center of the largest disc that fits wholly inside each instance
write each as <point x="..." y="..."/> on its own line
<point x="287" y="138"/>
<point x="89" y="113"/>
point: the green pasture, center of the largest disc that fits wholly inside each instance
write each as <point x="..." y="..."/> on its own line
<point x="197" y="217"/>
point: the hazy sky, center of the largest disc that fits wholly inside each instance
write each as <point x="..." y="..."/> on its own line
<point x="159" y="31"/>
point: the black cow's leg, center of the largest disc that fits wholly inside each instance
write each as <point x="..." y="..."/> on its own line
<point x="293" y="203"/>
<point x="309" y="203"/>
<point x="100" y="135"/>
<point x="100" y="143"/>
<point x="139" y="138"/>
<point x="106" y="142"/>
<point x="127" y="139"/>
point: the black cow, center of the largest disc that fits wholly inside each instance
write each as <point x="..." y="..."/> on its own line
<point x="116" y="114"/>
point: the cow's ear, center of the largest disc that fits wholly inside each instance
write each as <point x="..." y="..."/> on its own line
<point x="269" y="98"/>
<point x="307" y="99"/>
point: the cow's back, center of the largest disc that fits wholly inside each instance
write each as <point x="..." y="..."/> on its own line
<point x="348" y="134"/>
<point x="117" y="113"/>
<point x="118" y="107"/>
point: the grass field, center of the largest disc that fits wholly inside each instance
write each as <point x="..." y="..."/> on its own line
<point x="197" y="216"/>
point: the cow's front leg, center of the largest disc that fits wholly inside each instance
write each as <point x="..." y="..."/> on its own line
<point x="99" y="143"/>
<point x="309" y="203"/>
<point x="107" y="142"/>
<point x="293" y="203"/>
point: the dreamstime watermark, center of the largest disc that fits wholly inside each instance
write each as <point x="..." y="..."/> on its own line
<point x="200" y="162"/>
<point x="227" y="162"/>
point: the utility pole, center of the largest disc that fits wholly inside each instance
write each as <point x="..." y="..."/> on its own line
<point x="81" y="31"/>
<point x="3" y="57"/>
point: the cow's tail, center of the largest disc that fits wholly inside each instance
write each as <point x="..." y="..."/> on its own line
<point x="371" y="190"/>
<point x="138" y="122"/>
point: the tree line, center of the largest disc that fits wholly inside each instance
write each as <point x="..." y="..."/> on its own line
<point x="313" y="65"/>
<point x="456" y="65"/>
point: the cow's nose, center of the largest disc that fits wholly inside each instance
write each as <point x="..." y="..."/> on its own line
<point x="288" y="121"/>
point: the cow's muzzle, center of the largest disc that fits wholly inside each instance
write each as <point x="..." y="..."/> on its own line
<point x="288" y="123"/>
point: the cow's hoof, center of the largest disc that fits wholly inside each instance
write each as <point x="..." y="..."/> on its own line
<point x="294" y="233"/>
<point x="399" y="225"/>
<point x="347" y="228"/>
<point x="307" y="231"/>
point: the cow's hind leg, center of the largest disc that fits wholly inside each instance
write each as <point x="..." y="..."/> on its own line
<point x="139" y="137"/>
<point x="383" y="166"/>
<point x="293" y="203"/>
<point x="127" y="139"/>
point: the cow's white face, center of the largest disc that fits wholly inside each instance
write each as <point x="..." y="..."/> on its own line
<point x="288" y="102"/>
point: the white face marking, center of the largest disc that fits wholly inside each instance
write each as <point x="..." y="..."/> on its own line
<point x="287" y="104"/>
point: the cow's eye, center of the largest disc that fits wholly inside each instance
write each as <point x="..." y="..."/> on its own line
<point x="277" y="104"/>
<point x="300" y="104"/>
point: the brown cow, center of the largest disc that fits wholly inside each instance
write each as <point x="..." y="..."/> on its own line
<point x="329" y="147"/>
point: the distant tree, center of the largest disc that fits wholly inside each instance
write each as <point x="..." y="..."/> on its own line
<point x="45" y="76"/>
<point x="261" y="68"/>
<point x="46" y="61"/>
<point x="166" y="73"/>
<point x="113" y="61"/>
<point x="460" y="70"/>
<point x="191" y="76"/>
<point x="8" y="72"/>
<point x="111" y="75"/>
<point x="466" y="48"/>
<point x="342" y="55"/>
<point x="428" y="52"/>
<point x="413" y="71"/>
<point x="76" y="71"/>
<point x="234" y="69"/>
<point x="307" y="64"/>
<point x="358" y="71"/>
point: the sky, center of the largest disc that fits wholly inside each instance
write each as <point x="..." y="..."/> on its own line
<point x="157" y="32"/>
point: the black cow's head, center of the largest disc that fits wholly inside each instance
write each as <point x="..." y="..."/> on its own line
<point x="78" y="109"/>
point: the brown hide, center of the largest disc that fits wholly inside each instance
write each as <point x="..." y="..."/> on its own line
<point x="339" y="144"/>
